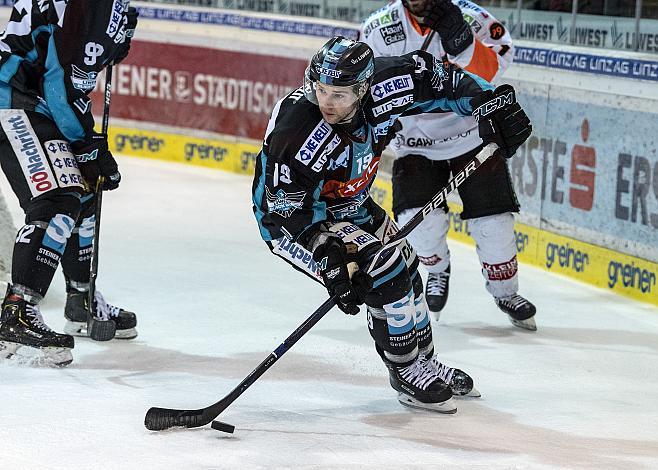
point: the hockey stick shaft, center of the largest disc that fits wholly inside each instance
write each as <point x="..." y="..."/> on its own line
<point x="93" y="268"/>
<point x="159" y="419"/>
<point x="427" y="41"/>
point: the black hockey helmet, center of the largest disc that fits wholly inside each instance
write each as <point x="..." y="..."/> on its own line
<point x="340" y="62"/>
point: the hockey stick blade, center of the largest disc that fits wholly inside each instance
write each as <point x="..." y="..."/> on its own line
<point x="160" y="419"/>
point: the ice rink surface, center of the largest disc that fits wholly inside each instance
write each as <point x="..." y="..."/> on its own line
<point x="180" y="247"/>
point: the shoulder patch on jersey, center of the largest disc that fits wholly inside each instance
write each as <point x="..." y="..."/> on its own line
<point x="473" y="23"/>
<point x="391" y="86"/>
<point x="381" y="17"/>
<point x="283" y="203"/>
<point x="313" y="142"/>
<point x="496" y="30"/>
<point x="82" y="80"/>
<point x="393" y="33"/>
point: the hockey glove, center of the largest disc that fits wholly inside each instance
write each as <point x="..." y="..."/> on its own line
<point x="336" y="275"/>
<point x="501" y="120"/>
<point x="94" y="160"/>
<point x="129" y="24"/>
<point x="446" y="18"/>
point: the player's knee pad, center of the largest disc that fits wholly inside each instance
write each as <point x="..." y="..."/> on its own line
<point x="51" y="234"/>
<point x="423" y="327"/>
<point x="39" y="247"/>
<point x="393" y="327"/>
<point x="494" y="233"/>
<point x="390" y="278"/>
<point x="86" y="224"/>
<point x="429" y="239"/>
<point x="496" y="248"/>
<point x="77" y="255"/>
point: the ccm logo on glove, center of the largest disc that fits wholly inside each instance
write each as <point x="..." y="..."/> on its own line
<point x="499" y="102"/>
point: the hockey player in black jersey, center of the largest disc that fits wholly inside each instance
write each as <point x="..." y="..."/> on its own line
<point x="50" y="55"/>
<point x="311" y="194"/>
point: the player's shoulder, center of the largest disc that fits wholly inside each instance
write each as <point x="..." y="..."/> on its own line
<point x="392" y="75"/>
<point x="483" y="23"/>
<point x="387" y="67"/>
<point x="295" y="113"/>
<point x="386" y="16"/>
<point x="298" y="128"/>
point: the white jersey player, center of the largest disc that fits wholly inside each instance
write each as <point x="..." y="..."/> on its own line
<point x="429" y="147"/>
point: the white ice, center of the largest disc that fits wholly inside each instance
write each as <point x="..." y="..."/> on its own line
<point x="180" y="247"/>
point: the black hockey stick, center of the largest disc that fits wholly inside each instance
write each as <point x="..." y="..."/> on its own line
<point x="428" y="39"/>
<point x="159" y="419"/>
<point x="99" y="329"/>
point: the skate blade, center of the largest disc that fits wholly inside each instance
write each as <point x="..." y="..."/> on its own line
<point x="76" y="328"/>
<point x="445" y="407"/>
<point x="473" y="393"/>
<point x="8" y="350"/>
<point x="130" y="333"/>
<point x="527" y="324"/>
<point x="30" y="356"/>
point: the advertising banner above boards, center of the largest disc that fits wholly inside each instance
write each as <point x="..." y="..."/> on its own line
<point x="593" y="31"/>
<point x="623" y="274"/>
<point x="211" y="90"/>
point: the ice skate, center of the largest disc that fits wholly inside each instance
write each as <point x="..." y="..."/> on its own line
<point x="419" y="386"/>
<point x="521" y="312"/>
<point x="459" y="381"/>
<point x="76" y="314"/>
<point x="25" y="337"/>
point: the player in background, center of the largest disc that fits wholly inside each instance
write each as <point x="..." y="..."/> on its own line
<point x="429" y="147"/>
<point x="311" y="197"/>
<point x="50" y="55"/>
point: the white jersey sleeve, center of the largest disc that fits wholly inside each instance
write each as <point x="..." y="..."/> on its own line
<point x="492" y="50"/>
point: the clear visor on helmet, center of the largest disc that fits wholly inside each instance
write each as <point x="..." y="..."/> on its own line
<point x="332" y="95"/>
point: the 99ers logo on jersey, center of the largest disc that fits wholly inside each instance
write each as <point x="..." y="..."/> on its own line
<point x="496" y="31"/>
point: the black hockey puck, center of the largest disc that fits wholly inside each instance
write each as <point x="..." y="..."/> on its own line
<point x="224" y="427"/>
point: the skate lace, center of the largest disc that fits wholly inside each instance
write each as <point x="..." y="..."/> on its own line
<point x="445" y="372"/>
<point x="515" y="301"/>
<point x="436" y="283"/>
<point x="34" y="314"/>
<point x="105" y="310"/>
<point x="420" y="374"/>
